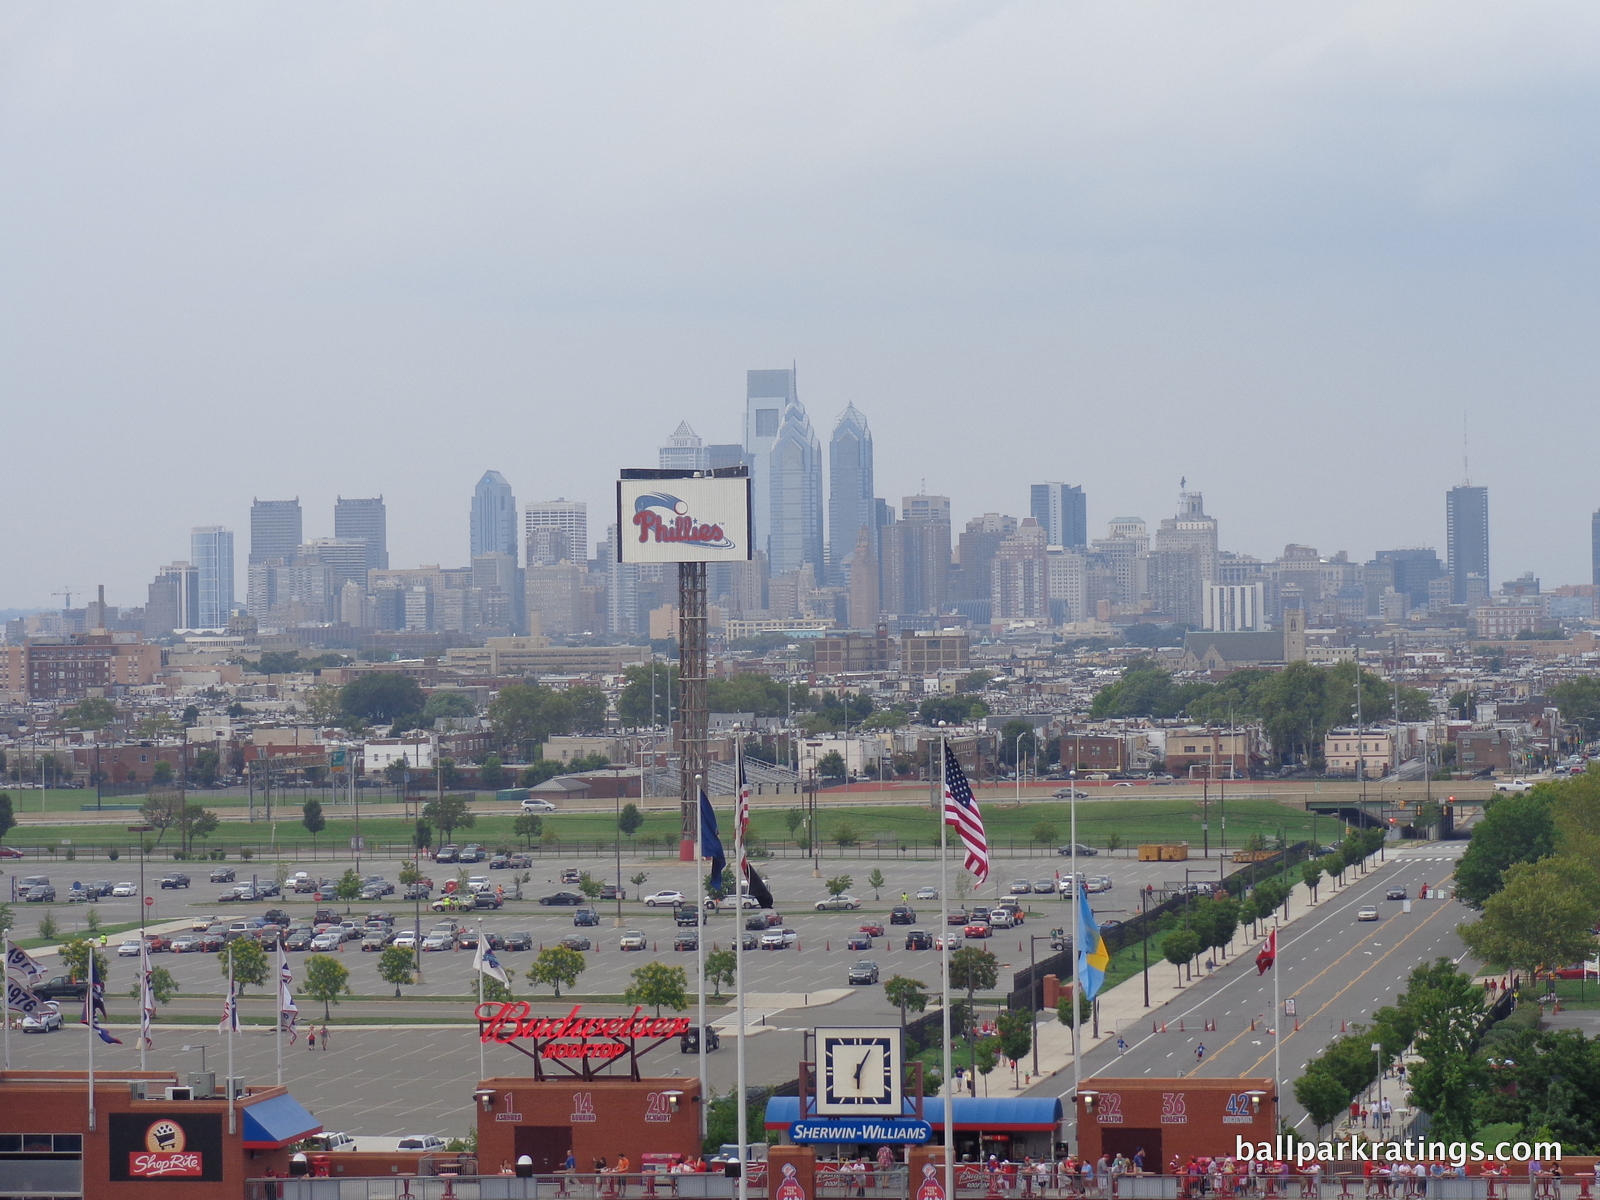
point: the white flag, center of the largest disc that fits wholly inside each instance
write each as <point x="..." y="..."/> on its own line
<point x="486" y="962"/>
<point x="288" y="1010"/>
<point x="23" y="963"/>
<point x="147" y="996"/>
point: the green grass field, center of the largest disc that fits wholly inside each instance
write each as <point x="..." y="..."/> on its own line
<point x="867" y="829"/>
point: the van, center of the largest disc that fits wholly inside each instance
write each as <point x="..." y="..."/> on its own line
<point x="324" y="1142"/>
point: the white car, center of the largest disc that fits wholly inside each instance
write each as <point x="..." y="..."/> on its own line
<point x="125" y="889"/>
<point x="538" y="806"/>
<point x="1000" y="918"/>
<point x="1514" y="786"/>
<point x="1098" y="883"/>
<point x="43" y="1019"/>
<point x="406" y="939"/>
<point x="429" y="1143"/>
<point x="1367" y="914"/>
<point x="632" y="939"/>
<point x="325" y="942"/>
<point x="838" y="904"/>
<point x="667" y="899"/>
<point x="779" y="939"/>
<point x="928" y="893"/>
<point x="128" y="949"/>
<point x="732" y="902"/>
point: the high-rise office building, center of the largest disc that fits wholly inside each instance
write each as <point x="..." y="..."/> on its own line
<point x="211" y="551"/>
<point x="365" y="521"/>
<point x="494" y="517"/>
<point x="794" y="491"/>
<point x="767" y="394"/>
<point x="571" y="517"/>
<point x="1467" y="532"/>
<point x="1594" y="552"/>
<point x="1061" y="511"/>
<point x="1021" y="568"/>
<point x="916" y="557"/>
<point x="851" y="504"/>
<point x="345" y="558"/>
<point x="1411" y="572"/>
<point x="275" y="529"/>
<point x="685" y="451"/>
<point x="1235" y="607"/>
<point x="173" y="601"/>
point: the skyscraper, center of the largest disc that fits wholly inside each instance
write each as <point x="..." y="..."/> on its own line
<point x="274" y="529"/>
<point x="1594" y="551"/>
<point x="785" y="460"/>
<point x="1467" y="532"/>
<point x="174" y="601"/>
<point x="851" y="507"/>
<point x="494" y="517"/>
<point x="685" y="450"/>
<point x="570" y="517"/>
<point x="211" y="551"/>
<point x="1061" y="512"/>
<point x="916" y="557"/>
<point x="364" y="521"/>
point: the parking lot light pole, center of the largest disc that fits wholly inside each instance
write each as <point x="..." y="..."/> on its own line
<point x="619" y="848"/>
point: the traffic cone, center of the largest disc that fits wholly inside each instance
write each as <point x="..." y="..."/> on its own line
<point x="1180" y="1026"/>
<point x="829" y="946"/>
<point x="1252" y="1024"/>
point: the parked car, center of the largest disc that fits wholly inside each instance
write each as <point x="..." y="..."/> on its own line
<point x="1020" y="887"/>
<point x="44" y="1019"/>
<point x="902" y="914"/>
<point x="779" y="939"/>
<point x="438" y="941"/>
<point x="689" y="1042"/>
<point x="175" y="880"/>
<point x="927" y="893"/>
<point x="1070" y="794"/>
<point x="872" y="928"/>
<point x="325" y="942"/>
<point x="762" y="921"/>
<point x="222" y="875"/>
<point x="956" y="917"/>
<point x="632" y="939"/>
<point x="586" y="916"/>
<point x="689" y="916"/>
<point x="406" y="939"/>
<point x="453" y="903"/>
<point x="918" y="939"/>
<point x="299" y="938"/>
<point x="977" y="929"/>
<point x="447" y="853"/>
<point x="40" y="894"/>
<point x="750" y="941"/>
<point x="686" y="941"/>
<point x="375" y="939"/>
<point x="472" y="853"/>
<point x="664" y="899"/>
<point x="497" y="862"/>
<point x="129" y="949"/>
<point x="1044" y="887"/>
<point x="559" y="898"/>
<point x="1367" y="914"/>
<point x="1000" y="918"/>
<point x="521" y="940"/>
<point x="858" y="941"/>
<point x="1083" y="851"/>
<point x="1097" y="883"/>
<point x="97" y="889"/>
<point x="185" y="943"/>
<point x="428" y="1144"/>
<point x="61" y="987"/>
<point x="125" y="889"/>
<point x="519" y="861"/>
<point x="845" y="903"/>
<point x="865" y="971"/>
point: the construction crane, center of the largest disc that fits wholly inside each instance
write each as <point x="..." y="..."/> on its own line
<point x="66" y="594"/>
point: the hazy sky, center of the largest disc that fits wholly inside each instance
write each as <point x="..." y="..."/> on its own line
<point x="321" y="248"/>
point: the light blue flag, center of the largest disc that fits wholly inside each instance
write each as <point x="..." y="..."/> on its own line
<point x="1093" y="957"/>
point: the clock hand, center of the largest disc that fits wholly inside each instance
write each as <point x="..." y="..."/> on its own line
<point x="861" y="1066"/>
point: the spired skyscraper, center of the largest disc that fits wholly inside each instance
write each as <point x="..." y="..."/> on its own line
<point x="785" y="460"/>
<point x="685" y="451"/>
<point x="494" y="517"/>
<point x="365" y="521"/>
<point x="1467" y="531"/>
<point x="851" y="507"/>
<point x="211" y="552"/>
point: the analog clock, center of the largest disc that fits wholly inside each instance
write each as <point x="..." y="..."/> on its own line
<point x="859" y="1072"/>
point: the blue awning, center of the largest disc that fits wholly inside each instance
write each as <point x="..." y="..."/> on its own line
<point x="274" y="1123"/>
<point x="999" y="1114"/>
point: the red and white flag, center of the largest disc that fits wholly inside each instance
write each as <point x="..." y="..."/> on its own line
<point x="961" y="813"/>
<point x="1268" y="954"/>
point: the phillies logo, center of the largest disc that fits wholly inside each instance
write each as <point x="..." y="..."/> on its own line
<point x="667" y="517"/>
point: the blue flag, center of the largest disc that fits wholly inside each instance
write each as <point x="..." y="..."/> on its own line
<point x="711" y="845"/>
<point x="1093" y="957"/>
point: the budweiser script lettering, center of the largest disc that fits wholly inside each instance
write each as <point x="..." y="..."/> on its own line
<point x="506" y="1022"/>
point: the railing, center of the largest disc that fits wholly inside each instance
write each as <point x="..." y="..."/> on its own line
<point x="833" y="1181"/>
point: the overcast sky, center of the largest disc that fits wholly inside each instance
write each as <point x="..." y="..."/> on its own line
<point x="341" y="248"/>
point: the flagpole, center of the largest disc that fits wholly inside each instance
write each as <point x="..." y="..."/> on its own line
<point x="233" y="1025"/>
<point x="144" y="997"/>
<point x="738" y="958"/>
<point x="1277" y="1033"/>
<point x="89" y="999"/>
<point x="948" y="1086"/>
<point x="5" y="987"/>
<point x="700" y="947"/>
<point x="1077" y="946"/>
<point x="278" y="1033"/>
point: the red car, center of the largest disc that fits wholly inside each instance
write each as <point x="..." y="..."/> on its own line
<point x="157" y="943"/>
<point x="978" y="929"/>
<point x="959" y="917"/>
<point x="8" y="852"/>
<point x="872" y="929"/>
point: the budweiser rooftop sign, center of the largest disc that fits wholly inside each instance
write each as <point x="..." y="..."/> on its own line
<point x="573" y="1036"/>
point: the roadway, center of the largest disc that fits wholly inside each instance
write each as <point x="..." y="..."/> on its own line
<point x="1336" y="969"/>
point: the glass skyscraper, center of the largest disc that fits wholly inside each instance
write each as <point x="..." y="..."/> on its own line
<point x="851" y="506"/>
<point x="1061" y="512"/>
<point x="275" y="529"/>
<point x="1467" y="531"/>
<point x="494" y="517"/>
<point x="364" y="521"/>
<point x="785" y="460"/>
<point x="211" y="552"/>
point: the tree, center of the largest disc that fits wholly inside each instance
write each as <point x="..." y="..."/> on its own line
<point x="631" y="820"/>
<point x="838" y="885"/>
<point x="381" y="697"/>
<point x="311" y="817"/>
<point x="162" y="811"/>
<point x="422" y="835"/>
<point x="249" y="962"/>
<point x="1579" y="702"/>
<point x="205" y="768"/>
<point x="348" y="887"/>
<point x="1544" y="916"/>
<point x="846" y="834"/>
<point x="722" y="967"/>
<point x="831" y="765"/>
<point x="531" y="712"/>
<point x="321" y="704"/>
<point x="96" y="712"/>
<point x="974" y="970"/>
<point x="1311" y="875"/>
<point x="1044" y="833"/>
<point x="326" y="979"/>
<point x="194" y="822"/>
<point x="635" y="707"/>
<point x="908" y="995"/>
<point x="492" y="774"/>
<point x="528" y="826"/>
<point x="1016" y="1034"/>
<point x="396" y="965"/>
<point x="1015" y="735"/>
<point x="1180" y="947"/>
<point x="875" y="881"/>
<point x="1514" y="829"/>
<point x="590" y="886"/>
<point x="157" y="725"/>
<point x="449" y="703"/>
<point x="951" y="710"/>
<point x="161" y="774"/>
<point x="659" y="986"/>
<point x="558" y="967"/>
<point x="448" y="814"/>
<point x="8" y="816"/>
<point x="395" y="771"/>
<point x="162" y="986"/>
<point x="75" y="958"/>
<point x="1322" y="1096"/>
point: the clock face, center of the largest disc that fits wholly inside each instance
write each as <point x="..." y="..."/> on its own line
<point x="860" y="1072"/>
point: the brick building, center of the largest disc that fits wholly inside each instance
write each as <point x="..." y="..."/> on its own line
<point x="70" y="666"/>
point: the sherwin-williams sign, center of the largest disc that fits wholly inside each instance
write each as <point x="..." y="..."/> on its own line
<point x="915" y="1133"/>
<point x="166" y="1146"/>
<point x="683" y="520"/>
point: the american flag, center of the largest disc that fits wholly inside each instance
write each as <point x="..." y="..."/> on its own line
<point x="961" y="813"/>
<point x="230" y="1010"/>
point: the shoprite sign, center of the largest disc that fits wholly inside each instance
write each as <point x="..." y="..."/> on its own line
<point x="568" y="1036"/>
<point x="915" y="1133"/>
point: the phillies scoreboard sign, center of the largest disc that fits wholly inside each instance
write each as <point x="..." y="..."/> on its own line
<point x="168" y="1147"/>
<point x="677" y="517"/>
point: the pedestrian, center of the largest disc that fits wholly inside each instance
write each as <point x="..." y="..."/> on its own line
<point x="324" y="1037"/>
<point x="1200" y="1053"/>
<point x="1122" y="1046"/>
<point x="311" y="1038"/>
<point x="904" y="898"/>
